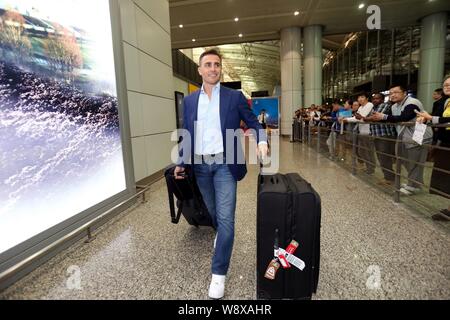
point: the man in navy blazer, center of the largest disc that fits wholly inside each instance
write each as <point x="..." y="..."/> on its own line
<point x="211" y="117"/>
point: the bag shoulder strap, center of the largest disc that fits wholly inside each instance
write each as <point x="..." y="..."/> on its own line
<point x="174" y="217"/>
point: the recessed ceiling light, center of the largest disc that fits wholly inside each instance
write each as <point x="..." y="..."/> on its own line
<point x="362" y="5"/>
<point x="240" y="35"/>
<point x="296" y="13"/>
<point x="236" y="19"/>
<point x="181" y="26"/>
<point x="193" y="40"/>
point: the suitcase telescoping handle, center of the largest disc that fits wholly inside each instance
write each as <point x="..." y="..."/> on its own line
<point x="273" y="178"/>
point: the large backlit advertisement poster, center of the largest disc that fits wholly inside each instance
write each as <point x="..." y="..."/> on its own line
<point x="60" y="140"/>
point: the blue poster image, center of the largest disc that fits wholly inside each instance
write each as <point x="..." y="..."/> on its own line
<point x="270" y="106"/>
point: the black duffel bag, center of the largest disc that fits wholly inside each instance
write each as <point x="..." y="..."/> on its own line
<point x="189" y="199"/>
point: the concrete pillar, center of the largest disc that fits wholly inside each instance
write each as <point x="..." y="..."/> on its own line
<point x="312" y="46"/>
<point x="291" y="80"/>
<point x="432" y="57"/>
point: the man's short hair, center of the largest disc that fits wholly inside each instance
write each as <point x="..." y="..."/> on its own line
<point x="208" y="52"/>
<point x="363" y="94"/>
<point x="402" y="87"/>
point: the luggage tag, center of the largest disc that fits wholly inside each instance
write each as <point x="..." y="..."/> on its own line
<point x="284" y="263"/>
<point x="292" y="247"/>
<point x="274" y="265"/>
<point x="272" y="269"/>
<point x="297" y="262"/>
<point x="283" y="258"/>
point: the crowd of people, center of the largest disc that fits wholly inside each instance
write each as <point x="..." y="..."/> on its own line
<point x="385" y="130"/>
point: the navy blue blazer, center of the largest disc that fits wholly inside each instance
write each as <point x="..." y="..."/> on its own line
<point x="233" y="109"/>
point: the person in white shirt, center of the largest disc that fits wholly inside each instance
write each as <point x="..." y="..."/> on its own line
<point x="208" y="114"/>
<point x="365" y="142"/>
<point x="414" y="155"/>
<point x="262" y="118"/>
<point x="314" y="115"/>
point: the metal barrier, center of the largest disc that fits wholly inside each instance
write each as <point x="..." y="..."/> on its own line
<point x="339" y="139"/>
<point x="297" y="130"/>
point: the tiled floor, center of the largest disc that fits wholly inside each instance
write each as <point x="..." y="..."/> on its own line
<point x="371" y="248"/>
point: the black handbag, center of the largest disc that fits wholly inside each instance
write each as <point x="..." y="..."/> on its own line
<point x="189" y="199"/>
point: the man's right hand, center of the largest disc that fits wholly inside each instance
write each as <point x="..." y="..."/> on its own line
<point x="178" y="172"/>
<point x="377" y="116"/>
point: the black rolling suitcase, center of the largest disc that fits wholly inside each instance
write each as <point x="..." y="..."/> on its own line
<point x="288" y="208"/>
<point x="189" y="199"/>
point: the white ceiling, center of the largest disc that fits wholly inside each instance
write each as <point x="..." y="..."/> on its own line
<point x="211" y="22"/>
<point x="255" y="64"/>
<point x="254" y="60"/>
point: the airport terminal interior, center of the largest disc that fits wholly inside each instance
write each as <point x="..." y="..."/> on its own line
<point x="352" y="96"/>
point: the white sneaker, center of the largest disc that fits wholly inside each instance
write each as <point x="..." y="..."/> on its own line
<point x="412" y="189"/>
<point x="217" y="287"/>
<point x="405" y="192"/>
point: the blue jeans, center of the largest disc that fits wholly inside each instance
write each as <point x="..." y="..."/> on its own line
<point x="218" y="188"/>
